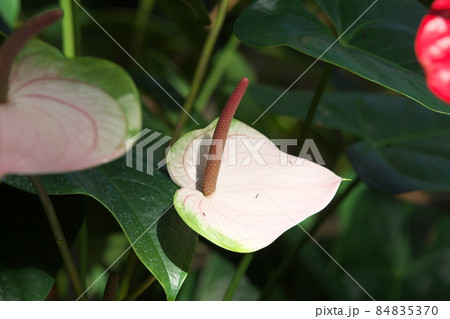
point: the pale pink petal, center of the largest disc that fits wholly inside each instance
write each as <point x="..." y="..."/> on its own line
<point x="52" y="124"/>
<point x="260" y="194"/>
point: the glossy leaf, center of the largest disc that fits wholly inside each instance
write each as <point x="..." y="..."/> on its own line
<point x="139" y="202"/>
<point x="379" y="47"/>
<point x="401" y="147"/>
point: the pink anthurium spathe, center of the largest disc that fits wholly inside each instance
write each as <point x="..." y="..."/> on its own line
<point x="433" y="48"/>
<point x="245" y="193"/>
<point x="59" y="114"/>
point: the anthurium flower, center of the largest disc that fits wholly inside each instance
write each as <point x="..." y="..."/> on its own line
<point x="59" y="114"/>
<point x="433" y="48"/>
<point x="247" y="192"/>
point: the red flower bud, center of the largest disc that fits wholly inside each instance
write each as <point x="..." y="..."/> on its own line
<point x="433" y="48"/>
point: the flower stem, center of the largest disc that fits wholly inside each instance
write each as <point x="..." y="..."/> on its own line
<point x="143" y="287"/>
<point x="219" y="139"/>
<point x="201" y="67"/>
<point x="314" y="104"/>
<point x="68" y="29"/>
<point x="215" y="75"/>
<point x="144" y="9"/>
<point x="130" y="266"/>
<point x="58" y="233"/>
<point x="296" y="249"/>
<point x="17" y="40"/>
<point x="240" y="271"/>
<point x="110" y="293"/>
<point x="83" y="252"/>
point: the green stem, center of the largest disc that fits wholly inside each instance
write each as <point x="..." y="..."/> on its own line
<point x="77" y="27"/>
<point x="201" y="67"/>
<point x="144" y="9"/>
<point x="83" y="252"/>
<point x="314" y="104"/>
<point x="215" y="75"/>
<point x="240" y="271"/>
<point x="130" y="266"/>
<point x="110" y="293"/>
<point x="296" y="249"/>
<point x="58" y="234"/>
<point x="68" y="28"/>
<point x="143" y="287"/>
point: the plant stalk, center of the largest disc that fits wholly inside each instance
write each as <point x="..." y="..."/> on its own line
<point x="314" y="104"/>
<point x="83" y="252"/>
<point x="216" y="73"/>
<point x="58" y="234"/>
<point x="201" y="67"/>
<point x="68" y="29"/>
<point x="143" y="287"/>
<point x="144" y="9"/>
<point x="110" y="293"/>
<point x="239" y="274"/>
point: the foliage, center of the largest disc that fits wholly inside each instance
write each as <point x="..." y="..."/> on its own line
<point x="376" y="122"/>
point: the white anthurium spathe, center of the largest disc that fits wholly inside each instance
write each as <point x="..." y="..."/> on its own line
<point x="59" y="114"/>
<point x="260" y="193"/>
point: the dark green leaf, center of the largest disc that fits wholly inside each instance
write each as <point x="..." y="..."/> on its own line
<point x="379" y="47"/>
<point x="140" y="203"/>
<point x="401" y="148"/>
<point x="29" y="257"/>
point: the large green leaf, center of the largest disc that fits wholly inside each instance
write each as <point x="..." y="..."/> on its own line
<point x="24" y="284"/>
<point x="379" y="47"/>
<point x="401" y="147"/>
<point x="140" y="203"/>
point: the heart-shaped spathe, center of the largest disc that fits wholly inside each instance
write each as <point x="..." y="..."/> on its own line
<point x="261" y="192"/>
<point x="64" y="114"/>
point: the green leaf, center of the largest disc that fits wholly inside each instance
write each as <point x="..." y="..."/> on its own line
<point x="24" y="284"/>
<point x="401" y="147"/>
<point x="379" y="47"/>
<point x="29" y="256"/>
<point x="9" y="11"/>
<point x="140" y="203"/>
